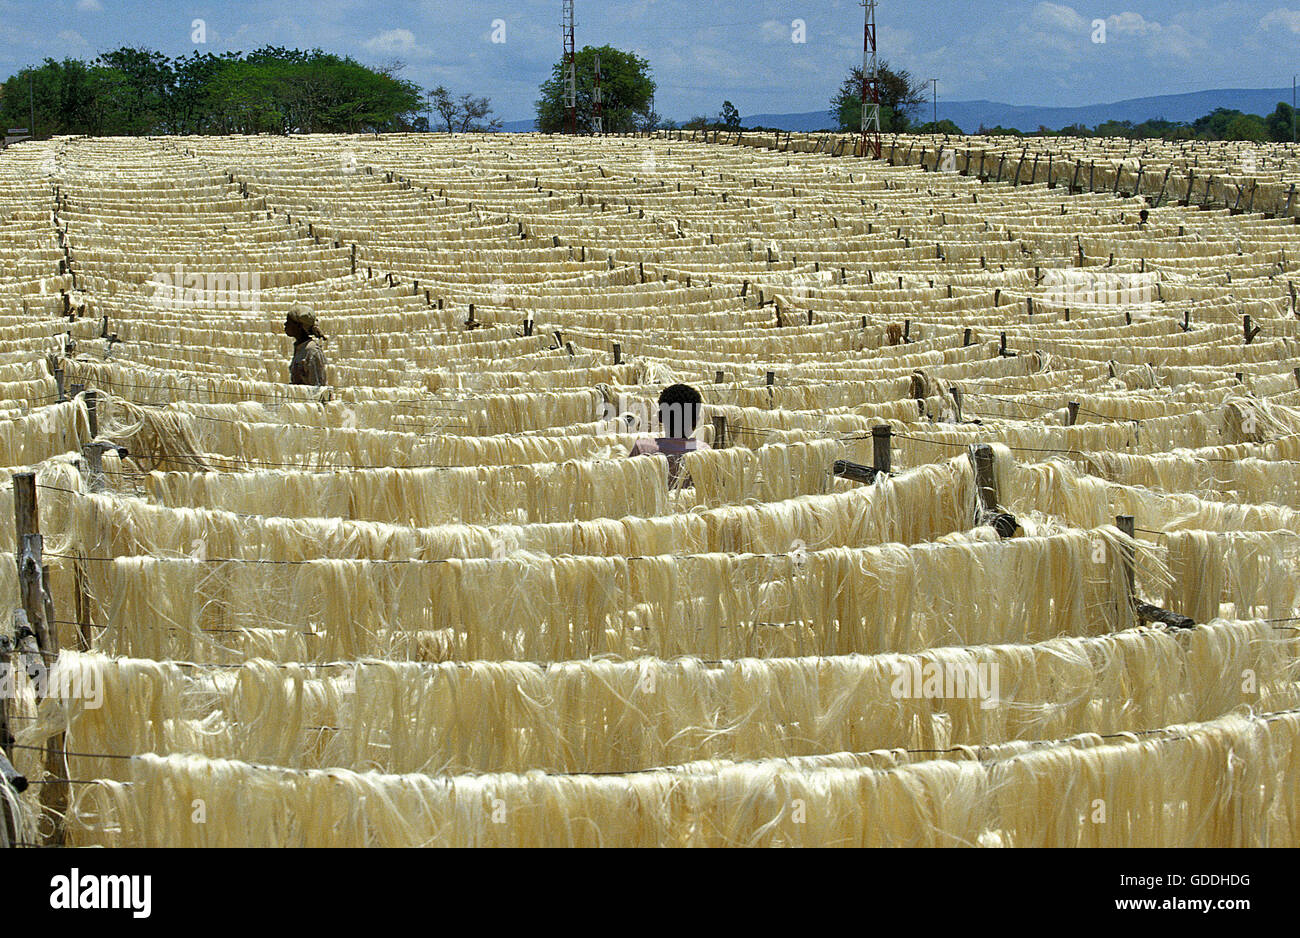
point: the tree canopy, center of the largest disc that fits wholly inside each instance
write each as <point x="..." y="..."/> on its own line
<point x="900" y="97"/>
<point x="272" y="90"/>
<point x="626" y="87"/>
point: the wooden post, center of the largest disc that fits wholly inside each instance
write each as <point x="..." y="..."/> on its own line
<point x="717" y="377"/>
<point x="986" y="485"/>
<point x="1072" y="415"/>
<point x="354" y="258"/>
<point x="965" y="341"/>
<point x="1247" y="331"/>
<point x="957" y="397"/>
<point x="881" y="454"/>
<point x="93" y="453"/>
<point x="618" y="354"/>
<point x="1126" y="526"/>
<point x="719" y="432"/>
<point x="38" y="609"/>
<point x="92" y="411"/>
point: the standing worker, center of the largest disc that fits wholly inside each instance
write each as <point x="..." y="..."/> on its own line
<point x="679" y="415"/>
<point x="308" y="364"/>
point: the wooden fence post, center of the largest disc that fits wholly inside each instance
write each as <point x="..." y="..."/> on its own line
<point x="719" y="432"/>
<point x="92" y="411"/>
<point x="38" y="608"/>
<point x="881" y="449"/>
<point x="986" y="485"/>
<point x="1073" y="413"/>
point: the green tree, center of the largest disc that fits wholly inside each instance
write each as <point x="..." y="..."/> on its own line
<point x="730" y="116"/>
<point x="1279" y="123"/>
<point x="626" y="87"/>
<point x="944" y="126"/>
<point x="464" y="114"/>
<point x="1214" y="126"/>
<point x="141" y="98"/>
<point x="270" y="90"/>
<point x="1246" y="127"/>
<point x="900" y="97"/>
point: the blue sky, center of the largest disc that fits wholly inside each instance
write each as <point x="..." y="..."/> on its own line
<point x="705" y="51"/>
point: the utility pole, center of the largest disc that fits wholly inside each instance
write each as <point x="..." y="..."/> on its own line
<point x="570" y="71"/>
<point x="31" y="103"/>
<point x="870" y="84"/>
<point x="934" y="83"/>
<point x="1293" y="109"/>
<point x="599" y="120"/>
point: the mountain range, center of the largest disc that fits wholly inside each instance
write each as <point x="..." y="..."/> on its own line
<point x="970" y="115"/>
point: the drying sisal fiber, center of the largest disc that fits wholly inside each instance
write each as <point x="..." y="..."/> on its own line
<point x="526" y="606"/>
<point x="918" y="505"/>
<point x="606" y="716"/>
<point x="1227" y="782"/>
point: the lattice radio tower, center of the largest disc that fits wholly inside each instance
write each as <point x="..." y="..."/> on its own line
<point x="570" y="71"/>
<point x="870" y="85"/>
<point x="598" y="99"/>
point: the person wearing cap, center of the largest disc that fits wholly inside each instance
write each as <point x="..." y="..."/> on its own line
<point x="679" y="415"/>
<point x="308" y="363"/>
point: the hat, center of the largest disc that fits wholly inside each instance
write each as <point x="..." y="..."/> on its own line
<point x="304" y="317"/>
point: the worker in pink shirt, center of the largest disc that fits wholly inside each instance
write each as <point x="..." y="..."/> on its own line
<point x="679" y="415"/>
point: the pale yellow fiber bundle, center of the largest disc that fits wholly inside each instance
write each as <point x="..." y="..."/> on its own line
<point x="1227" y="782"/>
<point x="604" y="716"/>
<point x="531" y="607"/>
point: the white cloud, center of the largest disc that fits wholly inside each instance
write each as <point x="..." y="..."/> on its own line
<point x="1062" y="17"/>
<point x="1282" y="18"/>
<point x="73" y="38"/>
<point x="393" y="42"/>
<point x="775" y="31"/>
<point x="1132" y="24"/>
<point x="89" y="6"/>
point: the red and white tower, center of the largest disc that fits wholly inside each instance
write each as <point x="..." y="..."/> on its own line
<point x="870" y="85"/>
<point x="570" y="71"/>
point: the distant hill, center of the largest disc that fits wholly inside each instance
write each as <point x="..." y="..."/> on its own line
<point x="969" y="115"/>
